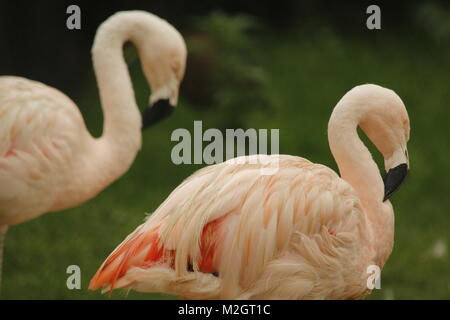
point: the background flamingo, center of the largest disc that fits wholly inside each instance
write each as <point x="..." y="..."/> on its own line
<point x="302" y="233"/>
<point x="48" y="159"/>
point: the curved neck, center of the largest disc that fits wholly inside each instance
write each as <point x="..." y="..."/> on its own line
<point x="116" y="149"/>
<point x="354" y="160"/>
<point x="358" y="168"/>
<point x="122" y="119"/>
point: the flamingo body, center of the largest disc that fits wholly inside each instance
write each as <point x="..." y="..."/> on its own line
<point x="298" y="230"/>
<point x="48" y="159"/>
<point x="303" y="232"/>
<point x="43" y="143"/>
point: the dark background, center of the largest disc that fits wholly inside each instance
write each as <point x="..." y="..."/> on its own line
<point x="34" y="36"/>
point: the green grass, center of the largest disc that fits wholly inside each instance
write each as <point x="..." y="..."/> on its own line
<point x="308" y="74"/>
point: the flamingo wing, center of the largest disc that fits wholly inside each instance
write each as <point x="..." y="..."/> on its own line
<point x="36" y="137"/>
<point x="230" y="221"/>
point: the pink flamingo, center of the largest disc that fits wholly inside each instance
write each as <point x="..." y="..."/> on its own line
<point x="228" y="232"/>
<point x="48" y="159"/>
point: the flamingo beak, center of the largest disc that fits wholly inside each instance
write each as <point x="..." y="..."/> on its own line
<point x="394" y="179"/>
<point x="160" y="110"/>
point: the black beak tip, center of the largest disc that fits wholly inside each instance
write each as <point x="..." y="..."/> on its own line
<point x="393" y="179"/>
<point x="160" y="110"/>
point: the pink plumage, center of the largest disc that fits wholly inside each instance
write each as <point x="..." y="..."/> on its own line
<point x="48" y="159"/>
<point x="303" y="232"/>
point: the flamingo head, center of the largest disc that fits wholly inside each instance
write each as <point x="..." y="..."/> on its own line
<point x="387" y="126"/>
<point x="163" y="59"/>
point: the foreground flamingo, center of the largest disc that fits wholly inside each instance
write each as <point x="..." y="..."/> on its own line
<point x="228" y="232"/>
<point x="48" y="159"/>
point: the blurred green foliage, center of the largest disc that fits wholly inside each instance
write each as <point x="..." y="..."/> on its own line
<point x="435" y="20"/>
<point x="306" y="72"/>
<point x="223" y="79"/>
